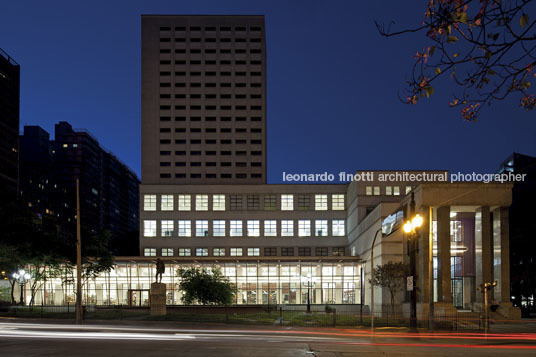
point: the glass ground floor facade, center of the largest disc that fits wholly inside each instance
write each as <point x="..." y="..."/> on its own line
<point x="258" y="282"/>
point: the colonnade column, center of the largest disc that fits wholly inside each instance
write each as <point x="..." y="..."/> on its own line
<point x="501" y="248"/>
<point x="422" y="282"/>
<point x="443" y="255"/>
<point x="483" y="249"/>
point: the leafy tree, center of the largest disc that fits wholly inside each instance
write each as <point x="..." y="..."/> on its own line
<point x="40" y="242"/>
<point x="392" y="277"/>
<point x="19" y="240"/>
<point x="96" y="259"/>
<point x="487" y="47"/>
<point x="10" y="261"/>
<point x="205" y="287"/>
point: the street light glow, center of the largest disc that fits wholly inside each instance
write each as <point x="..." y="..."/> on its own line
<point x="407" y="227"/>
<point x="417" y="221"/>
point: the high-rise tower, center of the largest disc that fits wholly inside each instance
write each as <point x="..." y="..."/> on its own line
<point x="203" y="100"/>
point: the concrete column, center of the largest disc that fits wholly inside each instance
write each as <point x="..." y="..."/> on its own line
<point x="502" y="250"/>
<point x="443" y="255"/>
<point x="422" y="258"/>
<point x="483" y="249"/>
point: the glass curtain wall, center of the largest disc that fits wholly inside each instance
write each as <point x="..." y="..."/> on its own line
<point x="257" y="283"/>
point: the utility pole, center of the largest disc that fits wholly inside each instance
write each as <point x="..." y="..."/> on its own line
<point x="430" y="270"/>
<point x="413" y="271"/>
<point x="79" y="315"/>
<point x="411" y="227"/>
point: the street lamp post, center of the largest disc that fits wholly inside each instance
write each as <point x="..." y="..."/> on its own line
<point x="308" y="293"/>
<point x="22" y="278"/>
<point x="411" y="227"/>
<point x="485" y="288"/>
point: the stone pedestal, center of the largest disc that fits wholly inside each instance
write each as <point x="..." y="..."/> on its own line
<point x="506" y="311"/>
<point x="158" y="299"/>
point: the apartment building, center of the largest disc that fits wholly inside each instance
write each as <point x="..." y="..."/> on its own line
<point x="109" y="193"/>
<point x="9" y="125"/>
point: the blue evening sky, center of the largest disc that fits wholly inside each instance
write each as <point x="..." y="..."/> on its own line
<point x="332" y="84"/>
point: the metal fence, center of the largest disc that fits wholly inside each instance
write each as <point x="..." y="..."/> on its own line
<point x="267" y="315"/>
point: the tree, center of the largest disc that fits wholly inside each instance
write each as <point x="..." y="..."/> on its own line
<point x="40" y="243"/>
<point x="205" y="287"/>
<point x="20" y="240"/>
<point x="392" y="277"/>
<point x="96" y="258"/>
<point x="487" y="47"/>
<point x="10" y="261"/>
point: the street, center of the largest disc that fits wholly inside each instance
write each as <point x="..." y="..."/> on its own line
<point x="36" y="339"/>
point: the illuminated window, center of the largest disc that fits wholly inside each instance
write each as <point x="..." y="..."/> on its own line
<point x="337" y="202"/>
<point x="149" y="202"/>
<point x="218" y="202"/>
<point x="270" y="228"/>
<point x="408" y="189"/>
<point x="185" y="228"/>
<point x="201" y="252"/>
<point x="397" y="190"/>
<point x="321" y="202"/>
<point x="321" y="228"/>
<point x="456" y="234"/>
<point x="218" y="252"/>
<point x="368" y="190"/>
<point x="338" y="228"/>
<point x="253" y="252"/>
<point x="149" y="252"/>
<point x="376" y="190"/>
<point x="201" y="202"/>
<point x="218" y="228"/>
<point x="167" y="228"/>
<point x="287" y="202"/>
<point x="184" y="252"/>
<point x="389" y="190"/>
<point x="167" y="203"/>
<point x="236" y="252"/>
<point x="201" y="228"/>
<point x="185" y="202"/>
<point x="304" y="228"/>
<point x="287" y="228"/>
<point x="149" y="228"/>
<point x="167" y="252"/>
<point x="253" y="228"/>
<point x="236" y="229"/>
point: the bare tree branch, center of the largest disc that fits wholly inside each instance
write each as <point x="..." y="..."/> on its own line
<point x="487" y="47"/>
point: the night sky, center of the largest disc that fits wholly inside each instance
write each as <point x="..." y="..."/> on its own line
<point x="332" y="84"/>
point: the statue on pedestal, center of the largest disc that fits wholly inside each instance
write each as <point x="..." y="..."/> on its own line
<point x="160" y="269"/>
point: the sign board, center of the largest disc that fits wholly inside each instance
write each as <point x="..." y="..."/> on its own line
<point x="409" y="283"/>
